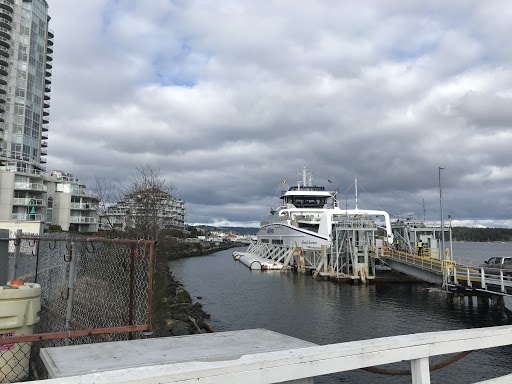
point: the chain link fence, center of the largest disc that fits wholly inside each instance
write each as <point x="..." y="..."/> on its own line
<point x="92" y="290"/>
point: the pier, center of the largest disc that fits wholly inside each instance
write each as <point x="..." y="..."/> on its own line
<point x="358" y="250"/>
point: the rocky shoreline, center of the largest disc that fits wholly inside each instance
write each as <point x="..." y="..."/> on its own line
<point x="184" y="317"/>
<point x="175" y="313"/>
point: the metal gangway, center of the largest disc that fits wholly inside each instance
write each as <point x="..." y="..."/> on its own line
<point x="451" y="272"/>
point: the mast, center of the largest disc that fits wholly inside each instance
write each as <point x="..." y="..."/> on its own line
<point x="355" y="181"/>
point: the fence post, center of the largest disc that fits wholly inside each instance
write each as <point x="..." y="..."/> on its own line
<point x="132" y="288"/>
<point x="71" y="288"/>
<point x="4" y="256"/>
<point x="17" y="248"/>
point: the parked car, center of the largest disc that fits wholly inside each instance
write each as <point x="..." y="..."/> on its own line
<point x="494" y="264"/>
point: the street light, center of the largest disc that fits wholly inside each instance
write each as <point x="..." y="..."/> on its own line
<point x="443" y="257"/>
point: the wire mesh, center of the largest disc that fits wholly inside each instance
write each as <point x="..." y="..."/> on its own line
<point x="86" y="284"/>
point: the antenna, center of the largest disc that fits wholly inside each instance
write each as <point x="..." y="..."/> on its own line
<point x="355" y="181"/>
<point x="423" y="209"/>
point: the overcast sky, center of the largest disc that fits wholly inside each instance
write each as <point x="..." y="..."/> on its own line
<point x="228" y="97"/>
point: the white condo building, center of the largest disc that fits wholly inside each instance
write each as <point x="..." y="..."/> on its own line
<point x="165" y="209"/>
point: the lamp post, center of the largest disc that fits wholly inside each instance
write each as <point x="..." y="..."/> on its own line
<point x="443" y="257"/>
<point x="451" y="240"/>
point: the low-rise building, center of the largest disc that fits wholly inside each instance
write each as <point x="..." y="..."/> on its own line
<point x="32" y="200"/>
<point x="69" y="204"/>
<point x="149" y="206"/>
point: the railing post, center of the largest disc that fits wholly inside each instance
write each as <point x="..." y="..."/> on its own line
<point x="469" y="280"/>
<point x="71" y="288"/>
<point x="420" y="371"/>
<point x="4" y="256"/>
<point x="482" y="278"/>
<point x="17" y="248"/>
<point x="455" y="281"/>
<point x="501" y="281"/>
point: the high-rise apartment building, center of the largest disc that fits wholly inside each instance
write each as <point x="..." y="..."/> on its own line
<point x="26" y="47"/>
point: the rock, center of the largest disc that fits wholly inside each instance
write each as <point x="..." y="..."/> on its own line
<point x="180" y="328"/>
<point x="180" y="316"/>
<point x="182" y="296"/>
<point x="199" y="298"/>
<point x="200" y="322"/>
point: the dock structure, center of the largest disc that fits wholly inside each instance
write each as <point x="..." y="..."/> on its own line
<point x="353" y="249"/>
<point x="358" y="249"/>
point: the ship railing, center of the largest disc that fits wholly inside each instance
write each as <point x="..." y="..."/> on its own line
<point x="305" y="363"/>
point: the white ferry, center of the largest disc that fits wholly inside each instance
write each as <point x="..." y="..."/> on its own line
<point x="304" y="221"/>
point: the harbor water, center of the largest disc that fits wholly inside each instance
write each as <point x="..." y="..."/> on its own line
<point x="324" y="312"/>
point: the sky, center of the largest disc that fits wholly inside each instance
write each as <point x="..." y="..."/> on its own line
<point x="227" y="98"/>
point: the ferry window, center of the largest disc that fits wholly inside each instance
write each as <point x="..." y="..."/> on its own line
<point x="264" y="240"/>
<point x="275" y="241"/>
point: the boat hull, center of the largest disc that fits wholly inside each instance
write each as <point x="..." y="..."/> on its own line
<point x="288" y="235"/>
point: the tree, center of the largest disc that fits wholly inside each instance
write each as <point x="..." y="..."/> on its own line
<point x="141" y="206"/>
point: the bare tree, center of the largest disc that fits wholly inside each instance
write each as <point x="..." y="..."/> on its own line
<point x="142" y="202"/>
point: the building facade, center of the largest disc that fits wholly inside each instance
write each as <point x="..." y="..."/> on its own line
<point x="26" y="47"/>
<point x="140" y="209"/>
<point x="69" y="205"/>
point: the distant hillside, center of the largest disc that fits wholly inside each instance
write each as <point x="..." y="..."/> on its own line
<point x="241" y="230"/>
<point x="481" y="234"/>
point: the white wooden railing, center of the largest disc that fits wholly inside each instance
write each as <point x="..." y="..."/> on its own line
<point x="297" y="364"/>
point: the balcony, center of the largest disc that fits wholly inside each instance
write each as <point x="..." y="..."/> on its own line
<point x="42" y="160"/>
<point x="45" y="128"/>
<point x="86" y="206"/>
<point x="7" y="14"/>
<point x="84" y="193"/>
<point x="44" y="136"/>
<point x="49" y="64"/>
<point x="44" y="152"/>
<point x="47" y="80"/>
<point x="3" y="70"/>
<point x="49" y="49"/>
<point x="83" y="220"/>
<point x="26" y="217"/>
<point x="44" y="144"/>
<point x="49" y="42"/>
<point x="7" y="5"/>
<point x="46" y="111"/>
<point x="48" y="72"/>
<point x="49" y="56"/>
<point x="47" y="95"/>
<point x="28" y="201"/>
<point x="46" y="104"/>
<point x="45" y="120"/>
<point x="5" y="32"/>
<point x="30" y="186"/>
<point x="50" y="33"/>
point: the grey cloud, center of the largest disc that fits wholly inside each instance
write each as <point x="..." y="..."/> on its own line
<point x="228" y="98"/>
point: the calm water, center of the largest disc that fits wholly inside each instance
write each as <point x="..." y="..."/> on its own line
<point x="324" y="312"/>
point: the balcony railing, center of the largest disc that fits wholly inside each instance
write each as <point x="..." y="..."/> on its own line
<point x="15" y="168"/>
<point x="27" y="201"/>
<point x="26" y="217"/>
<point x="30" y="186"/>
<point x="89" y="206"/>
<point x="83" y="220"/>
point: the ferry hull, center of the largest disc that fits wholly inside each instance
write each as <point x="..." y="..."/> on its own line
<point x="288" y="235"/>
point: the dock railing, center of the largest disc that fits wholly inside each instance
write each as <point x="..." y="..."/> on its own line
<point x="303" y="363"/>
